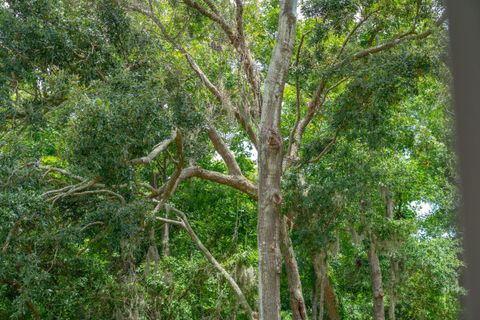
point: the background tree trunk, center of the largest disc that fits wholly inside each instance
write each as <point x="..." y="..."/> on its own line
<point x="389" y="206"/>
<point x="392" y="293"/>
<point x="377" y="288"/>
<point x="297" y="303"/>
<point x="325" y="292"/>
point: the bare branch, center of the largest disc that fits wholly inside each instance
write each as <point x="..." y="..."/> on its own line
<point x="156" y="150"/>
<point x="76" y="189"/>
<point x="240" y="183"/>
<point x="297" y="95"/>
<point x="215" y="16"/>
<point x="297" y="303"/>
<point x="62" y="192"/>
<point x="88" y="225"/>
<point x="239" y="17"/>
<point x="314" y="104"/>
<point x="170" y="221"/>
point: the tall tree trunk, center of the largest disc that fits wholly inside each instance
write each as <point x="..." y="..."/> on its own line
<point x="297" y="304"/>
<point x="377" y="287"/>
<point x="270" y="165"/>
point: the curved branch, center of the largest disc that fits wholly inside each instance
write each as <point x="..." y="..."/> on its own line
<point x="351" y="33"/>
<point x="237" y="182"/>
<point x="236" y="288"/>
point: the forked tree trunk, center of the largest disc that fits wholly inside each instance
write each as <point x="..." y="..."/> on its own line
<point x="377" y="287"/>
<point x="270" y="165"/>
<point x="297" y="304"/>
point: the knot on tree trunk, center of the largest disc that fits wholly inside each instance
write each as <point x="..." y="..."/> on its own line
<point x="277" y="197"/>
<point x="274" y="139"/>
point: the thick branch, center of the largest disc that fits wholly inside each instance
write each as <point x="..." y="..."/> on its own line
<point x="156" y="150"/>
<point x="224" y="151"/>
<point x="237" y="182"/>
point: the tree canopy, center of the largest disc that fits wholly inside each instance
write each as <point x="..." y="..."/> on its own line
<point x="214" y="159"/>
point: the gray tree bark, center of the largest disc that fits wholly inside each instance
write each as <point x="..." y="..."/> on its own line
<point x="377" y="287"/>
<point x="270" y="165"/>
<point x="389" y="206"/>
